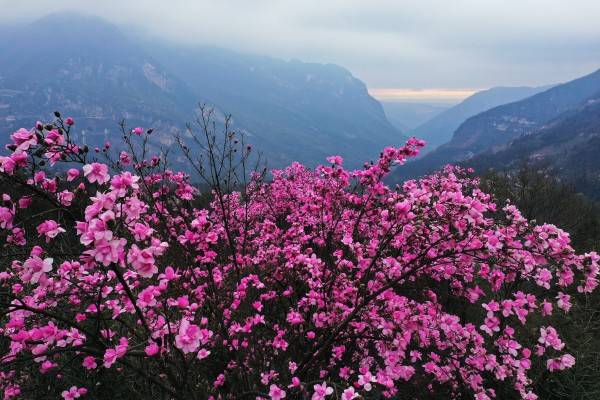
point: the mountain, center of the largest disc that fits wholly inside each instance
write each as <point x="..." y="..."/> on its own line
<point x="502" y="124"/>
<point x="439" y="129"/>
<point x="407" y="115"/>
<point x="87" y="68"/>
<point x="291" y="109"/>
<point x="567" y="147"/>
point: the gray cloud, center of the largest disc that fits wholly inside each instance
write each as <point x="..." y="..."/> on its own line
<point x="387" y="43"/>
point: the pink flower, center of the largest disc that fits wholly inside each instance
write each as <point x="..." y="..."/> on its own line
<point x="24" y="139"/>
<point x="276" y="393"/>
<point x="549" y="338"/>
<point x="35" y="268"/>
<point x="152" y="349"/>
<point x="349" y="394"/>
<point x="202" y="354"/>
<point x="365" y="381"/>
<point x="564" y="301"/>
<point x="69" y="121"/>
<point x="143" y="261"/>
<point x="107" y="250"/>
<point x="12" y="162"/>
<point x="321" y="391"/>
<point x="112" y="355"/>
<point x="137" y="131"/>
<point x="125" y="158"/>
<point x="25" y="201"/>
<point x="566" y="361"/>
<point x="50" y="229"/>
<point x="188" y="338"/>
<point x="142" y="231"/>
<point x="337" y="160"/>
<point x="73" y="393"/>
<point x="54" y="138"/>
<point x="123" y="182"/>
<point x="6" y="217"/>
<point x="546" y="308"/>
<point x="294" y="318"/>
<point x="96" y="172"/>
<point x="89" y="362"/>
<point x="65" y="198"/>
<point x="72" y="174"/>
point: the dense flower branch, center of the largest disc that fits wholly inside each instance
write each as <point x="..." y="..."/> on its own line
<point x="320" y="283"/>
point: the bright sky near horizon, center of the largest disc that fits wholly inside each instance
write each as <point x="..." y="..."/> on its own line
<point x="441" y="95"/>
<point x="424" y="44"/>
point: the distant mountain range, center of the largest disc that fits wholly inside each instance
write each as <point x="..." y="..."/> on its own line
<point x="567" y="147"/>
<point x="439" y="129"/>
<point x="490" y="132"/>
<point x="87" y="68"/>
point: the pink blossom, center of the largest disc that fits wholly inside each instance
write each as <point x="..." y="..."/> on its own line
<point x="276" y="393"/>
<point x="321" y="391"/>
<point x="202" y="354"/>
<point x="564" y="301"/>
<point x="143" y="261"/>
<point x="89" y="362"/>
<point x="152" y="349"/>
<point x="6" y="217"/>
<point x="50" y="229"/>
<point x="96" y="172"/>
<point x="349" y="394"/>
<point x="113" y="354"/>
<point x="34" y="268"/>
<point x="73" y="393"/>
<point x="188" y="338"/>
<point x="72" y="174"/>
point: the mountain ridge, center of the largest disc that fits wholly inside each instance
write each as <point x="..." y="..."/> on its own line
<point x="499" y="125"/>
<point x="440" y="129"/>
<point x="87" y="67"/>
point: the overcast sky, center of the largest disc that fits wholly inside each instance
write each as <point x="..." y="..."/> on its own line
<point x="423" y="44"/>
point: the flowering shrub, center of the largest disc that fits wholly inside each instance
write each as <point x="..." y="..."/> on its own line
<point x="321" y="284"/>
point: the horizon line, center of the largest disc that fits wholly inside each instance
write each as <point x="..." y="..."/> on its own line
<point x="414" y="94"/>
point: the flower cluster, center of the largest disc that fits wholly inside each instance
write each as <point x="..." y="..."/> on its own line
<point x="322" y="284"/>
